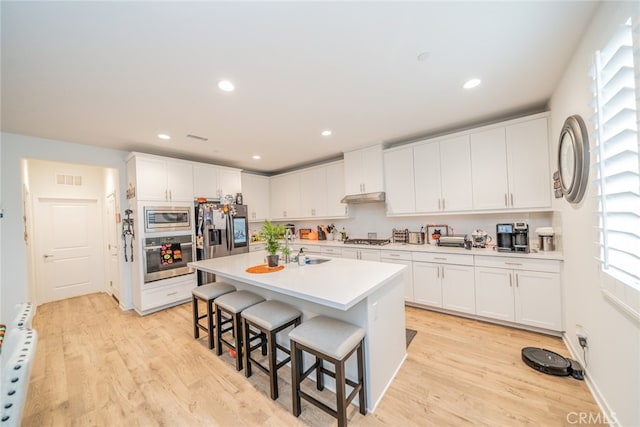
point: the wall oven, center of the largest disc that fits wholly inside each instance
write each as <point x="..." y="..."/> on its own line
<point x="167" y="256"/>
<point x="167" y="218"/>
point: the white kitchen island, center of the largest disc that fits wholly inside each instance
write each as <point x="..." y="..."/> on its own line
<point x="366" y="293"/>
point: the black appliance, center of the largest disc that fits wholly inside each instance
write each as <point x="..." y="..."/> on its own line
<point x="521" y="237"/>
<point x="551" y="363"/>
<point x="504" y="237"/>
<point x="221" y="230"/>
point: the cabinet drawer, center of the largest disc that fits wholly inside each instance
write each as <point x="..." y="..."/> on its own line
<point x="337" y="252"/>
<point x="166" y="295"/>
<point x="404" y="255"/>
<point x="513" y="263"/>
<point x="443" y="258"/>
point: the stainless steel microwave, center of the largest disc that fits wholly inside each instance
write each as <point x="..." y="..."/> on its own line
<point x="167" y="218"/>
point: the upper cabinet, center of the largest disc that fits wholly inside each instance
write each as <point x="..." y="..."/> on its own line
<point x="499" y="167"/>
<point x="510" y="166"/>
<point x="213" y="182"/>
<point x="363" y="171"/>
<point x="160" y="179"/>
<point x="443" y="175"/>
<point x="314" y="192"/>
<point x="255" y="192"/>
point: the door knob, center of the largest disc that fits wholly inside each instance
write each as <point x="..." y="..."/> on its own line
<point x="47" y="256"/>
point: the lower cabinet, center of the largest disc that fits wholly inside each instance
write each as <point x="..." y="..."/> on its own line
<point x="176" y="291"/>
<point x="444" y="280"/>
<point x="362" y="254"/>
<point x="521" y="291"/>
<point x="404" y="258"/>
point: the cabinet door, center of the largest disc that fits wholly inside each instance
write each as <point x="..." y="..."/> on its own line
<point x="229" y="181"/>
<point x="407" y="276"/>
<point x="255" y="192"/>
<point x="455" y="172"/>
<point x="426" y="168"/>
<point x="494" y="293"/>
<point x="372" y="169"/>
<point x="180" y="181"/>
<point x="458" y="288"/>
<point x="277" y="187"/>
<point x="335" y="191"/>
<point x="370" y="254"/>
<point x="292" y="195"/>
<point x="538" y="299"/>
<point x="427" y="288"/>
<point x="353" y="172"/>
<point x="489" y="169"/>
<point x="528" y="164"/>
<point x="313" y="192"/>
<point x="151" y="179"/>
<point x="205" y="181"/>
<point x="351" y="253"/>
<point x="399" y="181"/>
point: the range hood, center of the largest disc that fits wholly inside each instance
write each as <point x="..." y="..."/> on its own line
<point x="364" y="198"/>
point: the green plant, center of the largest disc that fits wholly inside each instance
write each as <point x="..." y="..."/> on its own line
<point x="272" y="234"/>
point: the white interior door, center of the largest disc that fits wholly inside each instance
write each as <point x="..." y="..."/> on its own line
<point x="68" y="240"/>
<point x="113" y="239"/>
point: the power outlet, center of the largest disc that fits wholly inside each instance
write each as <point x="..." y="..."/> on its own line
<point x="582" y="341"/>
<point x="582" y="335"/>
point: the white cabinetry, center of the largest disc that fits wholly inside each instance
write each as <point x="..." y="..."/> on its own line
<point x="285" y="196"/>
<point x="443" y="175"/>
<point x="362" y="254"/>
<point x="160" y="179"/>
<point x="522" y="291"/>
<point x="510" y="166"/>
<point x="399" y="181"/>
<point x="404" y="258"/>
<point x="363" y="170"/>
<point x="213" y="182"/>
<point x="331" y="252"/>
<point x="313" y="192"/>
<point x="444" y="280"/>
<point x="335" y="190"/>
<point x="255" y="194"/>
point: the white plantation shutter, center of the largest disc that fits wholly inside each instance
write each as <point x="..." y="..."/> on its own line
<point x="616" y="154"/>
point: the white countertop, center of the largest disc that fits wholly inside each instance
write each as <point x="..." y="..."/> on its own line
<point x="338" y="283"/>
<point x="429" y="248"/>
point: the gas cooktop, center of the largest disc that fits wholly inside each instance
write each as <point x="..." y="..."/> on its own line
<point x="372" y="242"/>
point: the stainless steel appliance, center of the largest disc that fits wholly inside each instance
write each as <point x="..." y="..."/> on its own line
<point x="416" y="237"/>
<point x="371" y="242"/>
<point x="480" y="238"/>
<point x="504" y="237"/>
<point x="167" y="218"/>
<point x="546" y="239"/>
<point x="452" y="241"/>
<point x="167" y="256"/>
<point x="521" y="237"/>
<point x="221" y="230"/>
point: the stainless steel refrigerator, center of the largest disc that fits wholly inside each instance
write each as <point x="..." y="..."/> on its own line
<point x="221" y="230"/>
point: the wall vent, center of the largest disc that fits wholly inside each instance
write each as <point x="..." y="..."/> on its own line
<point x="68" y="179"/>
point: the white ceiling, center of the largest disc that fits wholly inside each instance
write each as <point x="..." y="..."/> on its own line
<point x="116" y="74"/>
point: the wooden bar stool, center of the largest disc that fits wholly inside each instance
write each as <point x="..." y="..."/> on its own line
<point x="268" y="318"/>
<point x="334" y="341"/>
<point x="207" y="293"/>
<point x="232" y="305"/>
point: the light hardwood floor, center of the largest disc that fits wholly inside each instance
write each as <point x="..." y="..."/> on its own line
<point x="99" y="366"/>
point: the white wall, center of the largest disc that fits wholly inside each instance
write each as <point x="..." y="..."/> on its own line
<point x="14" y="272"/>
<point x="613" y="357"/>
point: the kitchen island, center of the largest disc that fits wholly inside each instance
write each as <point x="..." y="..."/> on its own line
<point x="366" y="293"/>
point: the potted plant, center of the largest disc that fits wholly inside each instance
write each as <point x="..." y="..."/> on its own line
<point x="272" y="234"/>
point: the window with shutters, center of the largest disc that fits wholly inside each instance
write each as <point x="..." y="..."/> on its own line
<point x="616" y="76"/>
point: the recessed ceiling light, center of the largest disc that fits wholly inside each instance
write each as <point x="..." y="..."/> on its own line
<point x="163" y="136"/>
<point x="256" y="157"/>
<point x="470" y="84"/>
<point x="326" y="132"/>
<point x="226" y="86"/>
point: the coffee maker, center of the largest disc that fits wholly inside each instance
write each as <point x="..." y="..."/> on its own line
<point x="504" y="237"/>
<point x="521" y="237"/>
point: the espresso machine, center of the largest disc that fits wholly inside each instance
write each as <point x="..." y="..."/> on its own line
<point x="521" y="237"/>
<point x="504" y="237"/>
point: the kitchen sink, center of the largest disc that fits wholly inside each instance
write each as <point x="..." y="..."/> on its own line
<point x="318" y="260"/>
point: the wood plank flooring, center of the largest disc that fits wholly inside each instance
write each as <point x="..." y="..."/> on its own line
<point x="99" y="366"/>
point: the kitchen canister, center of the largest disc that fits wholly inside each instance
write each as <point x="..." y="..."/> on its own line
<point x="546" y="240"/>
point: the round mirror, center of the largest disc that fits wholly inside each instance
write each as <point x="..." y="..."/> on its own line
<point x="573" y="158"/>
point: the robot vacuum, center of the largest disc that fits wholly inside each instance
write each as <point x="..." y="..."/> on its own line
<point x="551" y="363"/>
